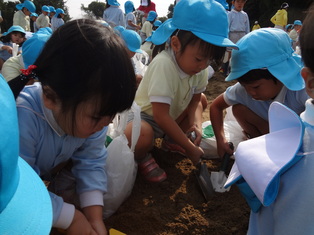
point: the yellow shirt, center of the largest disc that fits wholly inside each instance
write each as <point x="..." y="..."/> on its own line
<point x="165" y="82"/>
<point x="256" y="26"/>
<point x="280" y="18"/>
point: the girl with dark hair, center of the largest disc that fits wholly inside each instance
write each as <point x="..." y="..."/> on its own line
<point x="63" y="118"/>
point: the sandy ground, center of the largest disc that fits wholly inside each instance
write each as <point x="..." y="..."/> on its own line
<point x="177" y="206"/>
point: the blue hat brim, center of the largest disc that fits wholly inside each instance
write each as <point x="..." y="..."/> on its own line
<point x="164" y="31"/>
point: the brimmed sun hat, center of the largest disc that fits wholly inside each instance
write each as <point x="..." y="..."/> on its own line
<point x="28" y="5"/>
<point x="157" y="23"/>
<point x="59" y="11"/>
<point x="206" y="19"/>
<point x="113" y="3"/>
<point x="45" y="8"/>
<point x="52" y="9"/>
<point x="268" y="48"/>
<point x="297" y="22"/>
<point x="25" y="205"/>
<point x="132" y="40"/>
<point x="152" y="15"/>
<point x="14" y="28"/>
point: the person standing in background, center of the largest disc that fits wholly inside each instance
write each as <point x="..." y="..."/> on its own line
<point x="256" y="26"/>
<point x="43" y="20"/>
<point x="280" y="19"/>
<point x="130" y="19"/>
<point x="113" y="14"/>
<point x="21" y="17"/>
<point x="146" y="6"/>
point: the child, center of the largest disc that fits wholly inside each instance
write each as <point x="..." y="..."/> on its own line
<point x="261" y="81"/>
<point x="57" y="19"/>
<point x="43" y="20"/>
<point x="130" y="19"/>
<point x="147" y="27"/>
<point x="170" y="92"/>
<point x="52" y="12"/>
<point x="294" y="33"/>
<point x="280" y="19"/>
<point x="145" y="7"/>
<point x="34" y="17"/>
<point x="239" y="25"/>
<point x="15" y="34"/>
<point x="25" y="205"/>
<point x="21" y="17"/>
<point x="113" y="14"/>
<point x="288" y="199"/>
<point x="64" y="116"/>
<point x="256" y="26"/>
<point x="133" y="43"/>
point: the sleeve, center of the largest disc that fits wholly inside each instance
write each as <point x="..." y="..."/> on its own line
<point x="273" y="19"/>
<point x="11" y="68"/>
<point x="89" y="165"/>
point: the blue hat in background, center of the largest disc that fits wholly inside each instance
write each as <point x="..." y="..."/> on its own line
<point x="59" y="11"/>
<point x="14" y="28"/>
<point x="297" y="22"/>
<point x="128" y="7"/>
<point x="210" y="25"/>
<point x="119" y="29"/>
<point x="32" y="47"/>
<point x="151" y="16"/>
<point x="113" y="3"/>
<point x="276" y="55"/>
<point x="132" y="39"/>
<point x="28" y="5"/>
<point x="25" y="205"/>
<point x="157" y="23"/>
<point x="45" y="8"/>
<point x="224" y="4"/>
<point x="52" y="9"/>
<point x="34" y="14"/>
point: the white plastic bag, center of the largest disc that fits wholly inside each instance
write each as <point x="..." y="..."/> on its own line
<point x="120" y="166"/>
<point x="233" y="133"/>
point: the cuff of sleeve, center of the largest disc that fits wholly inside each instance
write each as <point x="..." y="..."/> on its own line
<point x="66" y="216"/>
<point x="92" y="198"/>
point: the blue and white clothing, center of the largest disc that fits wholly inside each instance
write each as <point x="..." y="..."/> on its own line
<point x="4" y="54"/>
<point x="114" y="16"/>
<point x="56" y="23"/>
<point x="44" y="145"/>
<point x="237" y="94"/>
<point x="293" y="210"/>
<point x="239" y="25"/>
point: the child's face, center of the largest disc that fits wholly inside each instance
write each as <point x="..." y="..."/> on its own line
<point x="308" y="77"/>
<point x="51" y="14"/>
<point x="17" y="37"/>
<point x="263" y="89"/>
<point x="192" y="60"/>
<point x="238" y="4"/>
<point x="86" y="123"/>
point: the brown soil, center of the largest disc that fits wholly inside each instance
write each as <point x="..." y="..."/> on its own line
<point x="177" y="206"/>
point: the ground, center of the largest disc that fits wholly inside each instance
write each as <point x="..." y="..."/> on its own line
<point x="177" y="206"/>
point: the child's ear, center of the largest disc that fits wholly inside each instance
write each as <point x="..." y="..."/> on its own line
<point x="308" y="77"/>
<point x="175" y="44"/>
<point x="49" y="98"/>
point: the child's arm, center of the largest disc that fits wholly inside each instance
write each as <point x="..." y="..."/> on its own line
<point x="7" y="48"/>
<point x="94" y="216"/>
<point x="172" y="129"/>
<point x="217" y="120"/>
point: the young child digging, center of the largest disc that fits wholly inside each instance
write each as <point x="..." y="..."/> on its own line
<point x="63" y="118"/>
<point x="171" y="90"/>
<point x="267" y="71"/>
<point x="283" y="202"/>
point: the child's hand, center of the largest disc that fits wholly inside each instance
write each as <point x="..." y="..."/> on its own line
<point x="99" y="227"/>
<point x="80" y="225"/>
<point x="223" y="147"/>
<point x="195" y="154"/>
<point x="197" y="135"/>
<point x="8" y="49"/>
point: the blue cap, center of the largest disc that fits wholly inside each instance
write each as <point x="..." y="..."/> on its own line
<point x="28" y="5"/>
<point x="52" y="9"/>
<point x="59" y="11"/>
<point x="297" y="22"/>
<point x="113" y="3"/>
<point x="157" y="23"/>
<point x="25" y="205"/>
<point x="151" y="16"/>
<point x="268" y="48"/>
<point x="119" y="29"/>
<point x="32" y="47"/>
<point x="34" y="14"/>
<point x="14" y="28"/>
<point x="45" y="8"/>
<point x="132" y="40"/>
<point x="149" y="39"/>
<point x="128" y="7"/>
<point x="210" y="25"/>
